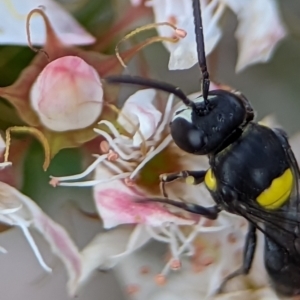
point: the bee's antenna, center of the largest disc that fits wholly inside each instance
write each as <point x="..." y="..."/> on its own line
<point x="169" y="88"/>
<point x="201" y="49"/>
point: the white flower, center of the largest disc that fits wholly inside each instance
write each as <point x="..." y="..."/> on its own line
<point x="129" y="168"/>
<point x="13" y="23"/>
<point x="259" y="29"/>
<point x="17" y="209"/>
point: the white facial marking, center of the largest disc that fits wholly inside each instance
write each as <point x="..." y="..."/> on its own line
<point x="186" y="112"/>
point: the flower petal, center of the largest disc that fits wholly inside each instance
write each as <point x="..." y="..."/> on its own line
<point x="107" y="248"/>
<point x="115" y="204"/>
<point x="259" y="31"/>
<point x="31" y="215"/>
<point x="98" y="252"/>
<point x="18" y="93"/>
<point x="183" y="54"/>
<point x="67" y="94"/>
<point x="13" y="19"/>
<point x="139" y="110"/>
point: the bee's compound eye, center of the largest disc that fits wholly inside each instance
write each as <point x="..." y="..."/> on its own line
<point x="186" y="136"/>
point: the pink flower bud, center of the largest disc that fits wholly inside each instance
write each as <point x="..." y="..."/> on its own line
<point x="67" y="95"/>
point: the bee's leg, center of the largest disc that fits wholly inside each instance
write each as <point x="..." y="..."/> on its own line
<point x="191" y="177"/>
<point x="249" y="250"/>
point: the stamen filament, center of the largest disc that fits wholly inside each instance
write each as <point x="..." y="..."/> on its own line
<point x="157" y="236"/>
<point x="20" y="223"/>
<point x="148" y="157"/>
<point x="113" y="166"/>
<point x="94" y="182"/>
<point x="181" y="249"/>
<point x="111" y="127"/>
<point x="88" y="170"/>
<point x="109" y="139"/>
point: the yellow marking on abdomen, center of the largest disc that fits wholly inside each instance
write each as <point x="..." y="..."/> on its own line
<point x="278" y="192"/>
<point x="210" y="180"/>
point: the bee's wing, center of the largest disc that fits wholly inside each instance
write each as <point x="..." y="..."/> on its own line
<point x="284" y="221"/>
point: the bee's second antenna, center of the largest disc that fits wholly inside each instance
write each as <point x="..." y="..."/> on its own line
<point x="201" y="48"/>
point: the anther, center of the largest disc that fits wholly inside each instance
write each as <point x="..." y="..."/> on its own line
<point x="129" y="182"/>
<point x="160" y="279"/>
<point x="104" y="147"/>
<point x="175" y="264"/>
<point x="181" y="33"/>
<point x="112" y="155"/>
<point x="54" y="182"/>
<point x="145" y="270"/>
<point x="132" y="289"/>
<point x="163" y="177"/>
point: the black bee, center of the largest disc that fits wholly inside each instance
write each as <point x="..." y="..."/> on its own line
<point x="253" y="172"/>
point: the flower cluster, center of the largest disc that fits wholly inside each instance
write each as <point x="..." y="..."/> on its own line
<point x="61" y="99"/>
<point x="259" y="30"/>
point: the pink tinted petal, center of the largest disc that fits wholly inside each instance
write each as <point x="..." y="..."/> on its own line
<point x="259" y="31"/>
<point x="59" y="240"/>
<point x="107" y="248"/>
<point x="115" y="204"/>
<point x="13" y="19"/>
<point x="140" y="111"/>
<point x="118" y="207"/>
<point x="67" y="94"/>
<point x="61" y="245"/>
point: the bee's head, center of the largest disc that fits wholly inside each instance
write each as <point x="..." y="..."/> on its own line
<point x="202" y="127"/>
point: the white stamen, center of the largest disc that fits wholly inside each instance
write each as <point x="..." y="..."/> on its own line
<point x="111" y="127"/>
<point x="6" y="211"/>
<point x="111" y="142"/>
<point x="157" y="236"/>
<point x="182" y="239"/>
<point x="166" y="118"/>
<point x="124" y="142"/>
<point x="89" y="170"/>
<point x="128" y="166"/>
<point x="150" y="150"/>
<point x="119" y="138"/>
<point x="19" y="222"/>
<point x="161" y="146"/>
<point x="113" y="166"/>
<point x="95" y="182"/>
<point x="182" y="248"/>
<point x="174" y="242"/>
